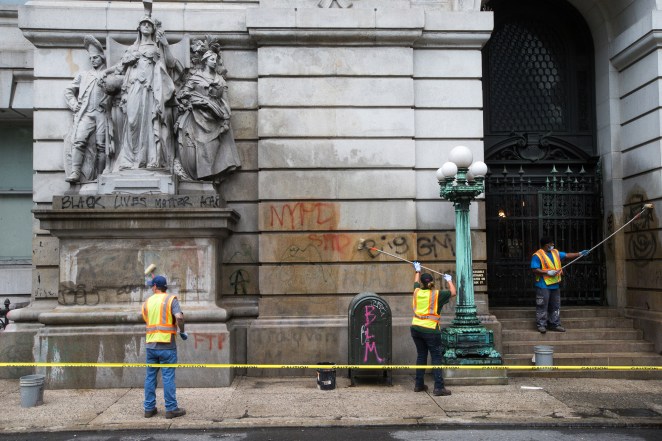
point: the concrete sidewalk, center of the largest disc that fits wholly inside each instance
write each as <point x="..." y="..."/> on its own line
<point x="278" y="402"/>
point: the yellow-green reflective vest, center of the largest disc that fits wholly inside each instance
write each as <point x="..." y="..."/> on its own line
<point x="425" y="304"/>
<point x="157" y="313"/>
<point x="548" y="264"/>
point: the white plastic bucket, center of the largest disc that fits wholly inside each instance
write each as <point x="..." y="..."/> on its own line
<point x="32" y="390"/>
<point x="543" y="355"/>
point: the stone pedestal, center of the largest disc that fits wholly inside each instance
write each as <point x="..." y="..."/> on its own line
<point x="137" y="182"/>
<point x="106" y="242"/>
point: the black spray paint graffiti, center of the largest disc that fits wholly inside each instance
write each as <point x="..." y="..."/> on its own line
<point x="642" y="243"/>
<point x="425" y="246"/>
<point x="71" y="294"/>
<point x="78" y="295"/>
<point x="239" y="280"/>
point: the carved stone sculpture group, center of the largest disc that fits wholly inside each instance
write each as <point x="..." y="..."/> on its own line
<point x="150" y="112"/>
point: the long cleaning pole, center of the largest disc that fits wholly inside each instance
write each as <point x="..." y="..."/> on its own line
<point x="646" y="207"/>
<point x="409" y="261"/>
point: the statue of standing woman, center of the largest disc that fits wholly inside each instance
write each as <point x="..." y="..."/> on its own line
<point x="144" y="130"/>
<point x="205" y="146"/>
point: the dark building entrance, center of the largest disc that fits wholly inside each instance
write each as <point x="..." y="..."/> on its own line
<point x="539" y="121"/>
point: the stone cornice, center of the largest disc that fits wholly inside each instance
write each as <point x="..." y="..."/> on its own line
<point x="456" y="40"/>
<point x="643" y="46"/>
<point x="137" y="223"/>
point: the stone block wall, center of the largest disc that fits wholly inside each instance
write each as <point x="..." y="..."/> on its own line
<point x="341" y="117"/>
<point x="637" y="164"/>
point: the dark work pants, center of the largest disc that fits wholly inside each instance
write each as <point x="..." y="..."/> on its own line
<point x="428" y="342"/>
<point x="548" y="307"/>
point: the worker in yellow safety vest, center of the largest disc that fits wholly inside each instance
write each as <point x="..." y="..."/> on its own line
<point x="425" y="326"/>
<point x="163" y="315"/>
<point x="546" y="266"/>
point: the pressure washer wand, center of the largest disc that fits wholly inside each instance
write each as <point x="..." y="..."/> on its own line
<point x="409" y="261"/>
<point x="646" y="207"/>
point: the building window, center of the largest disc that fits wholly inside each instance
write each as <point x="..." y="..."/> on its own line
<point x="15" y="192"/>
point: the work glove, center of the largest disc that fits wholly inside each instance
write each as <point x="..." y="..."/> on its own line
<point x="448" y="278"/>
<point x="417" y="266"/>
<point x="551" y="272"/>
<point x="183" y="335"/>
<point x="584" y="253"/>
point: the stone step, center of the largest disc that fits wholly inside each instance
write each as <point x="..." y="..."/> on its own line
<point x="511" y="336"/>
<point x="594" y="359"/>
<point x="581" y="346"/>
<point x="623" y="375"/>
<point x="571" y="323"/>
<point x="566" y="312"/>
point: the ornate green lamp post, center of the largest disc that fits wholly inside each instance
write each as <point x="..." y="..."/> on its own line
<point x="466" y="340"/>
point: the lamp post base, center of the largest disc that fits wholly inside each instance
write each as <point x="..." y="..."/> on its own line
<point x="469" y="345"/>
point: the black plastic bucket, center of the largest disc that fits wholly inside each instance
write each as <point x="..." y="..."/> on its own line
<point x="326" y="378"/>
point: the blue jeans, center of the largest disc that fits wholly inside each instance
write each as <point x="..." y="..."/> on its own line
<point x="161" y="356"/>
<point x="548" y="307"/>
<point x="427" y="342"/>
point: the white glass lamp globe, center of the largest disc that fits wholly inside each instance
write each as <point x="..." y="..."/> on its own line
<point x="461" y="156"/>
<point x="478" y="169"/>
<point x="470" y="176"/>
<point x="448" y="170"/>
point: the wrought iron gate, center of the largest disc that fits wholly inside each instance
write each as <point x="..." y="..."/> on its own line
<point x="520" y="209"/>
<point x="540" y="145"/>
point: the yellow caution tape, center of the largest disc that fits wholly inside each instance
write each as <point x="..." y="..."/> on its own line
<point x="334" y="366"/>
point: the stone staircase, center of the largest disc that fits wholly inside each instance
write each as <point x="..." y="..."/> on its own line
<point x="595" y="336"/>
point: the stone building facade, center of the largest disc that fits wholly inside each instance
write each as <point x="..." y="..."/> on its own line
<point x="341" y="112"/>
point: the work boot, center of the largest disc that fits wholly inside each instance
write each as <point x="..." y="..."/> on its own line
<point x="542" y="329"/>
<point x="557" y="328"/>
<point x="441" y="392"/>
<point x="422" y="388"/>
<point x="151" y="413"/>
<point x="175" y="413"/>
<point x="74" y="177"/>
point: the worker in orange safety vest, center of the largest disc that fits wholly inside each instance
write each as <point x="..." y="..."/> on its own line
<point x="546" y="266"/>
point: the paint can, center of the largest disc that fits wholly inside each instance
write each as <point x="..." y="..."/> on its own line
<point x="32" y="390"/>
<point x="326" y="378"/>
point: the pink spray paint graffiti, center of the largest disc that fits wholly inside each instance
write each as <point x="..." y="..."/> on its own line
<point x="368" y="339"/>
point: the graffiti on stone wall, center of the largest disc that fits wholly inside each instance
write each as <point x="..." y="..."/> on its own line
<point x="239" y="281"/>
<point x="426" y="246"/>
<point x="114" y="202"/>
<point x="240" y="278"/>
<point x="77" y="295"/>
<point x="72" y="294"/>
<point x="642" y="242"/>
<point x="208" y="342"/>
<point x="302" y="216"/>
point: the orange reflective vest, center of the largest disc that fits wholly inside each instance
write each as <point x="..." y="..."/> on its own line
<point x="549" y="264"/>
<point x="157" y="313"/>
<point x="425" y="304"/>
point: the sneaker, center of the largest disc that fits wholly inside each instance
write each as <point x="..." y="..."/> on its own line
<point x="175" y="413"/>
<point x="557" y="328"/>
<point x="420" y="388"/>
<point x="441" y="392"/>
<point x="542" y="329"/>
<point x="151" y="413"/>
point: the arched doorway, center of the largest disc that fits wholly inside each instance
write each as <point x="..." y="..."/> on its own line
<point x="539" y="121"/>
